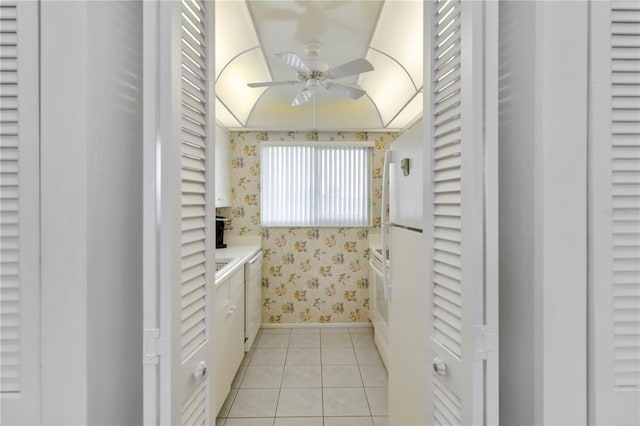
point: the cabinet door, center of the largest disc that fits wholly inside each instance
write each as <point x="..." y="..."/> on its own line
<point x="236" y="341"/>
<point x="228" y="319"/>
<point x="221" y="328"/>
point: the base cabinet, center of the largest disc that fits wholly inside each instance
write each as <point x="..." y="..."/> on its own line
<point x="228" y="330"/>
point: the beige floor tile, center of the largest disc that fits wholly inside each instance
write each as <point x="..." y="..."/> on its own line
<point x="341" y="376"/>
<point x="268" y="357"/>
<point x="305" y="330"/>
<point x="374" y="375"/>
<point x="258" y="421"/>
<point x="305" y="340"/>
<point x="362" y="340"/>
<point x="368" y="354"/>
<point x="300" y="402"/>
<point x="303" y="356"/>
<point x="338" y="356"/>
<point x="381" y="421"/>
<point x="377" y="398"/>
<point x="348" y="421"/>
<point x="273" y="341"/>
<point x="262" y="376"/>
<point x="298" y="421"/>
<point x="255" y="403"/>
<point x="334" y="330"/>
<point x="343" y="402"/>
<point x="303" y="376"/>
<point x="336" y="340"/>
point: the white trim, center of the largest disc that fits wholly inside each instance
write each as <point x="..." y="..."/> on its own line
<point x="491" y="212"/>
<point x="318" y="325"/>
<point x="322" y="130"/>
<point x="560" y="215"/>
<point x="150" y="201"/>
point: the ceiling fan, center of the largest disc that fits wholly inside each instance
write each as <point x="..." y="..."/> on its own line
<point x="314" y="73"/>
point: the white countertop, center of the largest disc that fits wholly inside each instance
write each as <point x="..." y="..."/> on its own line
<point x="239" y="250"/>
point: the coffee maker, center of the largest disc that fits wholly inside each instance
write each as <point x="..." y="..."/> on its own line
<point x="220" y="221"/>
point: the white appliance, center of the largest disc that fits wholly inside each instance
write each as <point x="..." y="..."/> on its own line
<point x="252" y="299"/>
<point x="379" y="302"/>
<point x="405" y="277"/>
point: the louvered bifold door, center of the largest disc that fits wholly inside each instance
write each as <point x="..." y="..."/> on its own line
<point x="614" y="375"/>
<point x="19" y="220"/>
<point x="455" y="202"/>
<point x="197" y="269"/>
<point x="188" y="193"/>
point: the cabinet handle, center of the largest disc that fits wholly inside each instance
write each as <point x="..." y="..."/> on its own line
<point x="439" y="366"/>
<point x="200" y="370"/>
<point x="231" y="310"/>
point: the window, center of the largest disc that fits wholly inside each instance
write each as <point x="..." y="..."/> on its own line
<point x="316" y="184"/>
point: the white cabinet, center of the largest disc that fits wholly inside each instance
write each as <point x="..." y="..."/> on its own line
<point x="228" y="327"/>
<point x="223" y="167"/>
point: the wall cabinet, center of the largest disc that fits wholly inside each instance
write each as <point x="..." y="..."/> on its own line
<point x="228" y="328"/>
<point x="223" y="167"/>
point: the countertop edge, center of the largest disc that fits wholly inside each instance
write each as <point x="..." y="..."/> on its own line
<point x="239" y="254"/>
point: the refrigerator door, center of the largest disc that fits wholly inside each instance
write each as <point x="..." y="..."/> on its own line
<point x="405" y="178"/>
<point x="407" y="364"/>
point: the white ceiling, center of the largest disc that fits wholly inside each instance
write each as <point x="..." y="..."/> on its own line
<point x="249" y="34"/>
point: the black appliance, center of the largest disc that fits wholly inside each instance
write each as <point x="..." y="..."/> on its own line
<point x="220" y="221"/>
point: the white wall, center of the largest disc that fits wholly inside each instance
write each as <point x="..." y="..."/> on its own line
<point x="91" y="161"/>
<point x="543" y="193"/>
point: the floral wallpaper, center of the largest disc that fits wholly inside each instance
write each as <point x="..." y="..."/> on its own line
<point x="315" y="275"/>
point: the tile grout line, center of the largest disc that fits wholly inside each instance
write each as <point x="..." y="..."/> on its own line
<point x="284" y="366"/>
<point x="362" y="379"/>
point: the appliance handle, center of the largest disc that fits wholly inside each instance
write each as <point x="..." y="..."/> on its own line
<point x="385" y="224"/>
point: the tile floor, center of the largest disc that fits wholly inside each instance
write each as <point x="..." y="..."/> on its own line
<point x="309" y="377"/>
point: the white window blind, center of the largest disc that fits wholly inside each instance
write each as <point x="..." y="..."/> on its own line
<point x="315" y="185"/>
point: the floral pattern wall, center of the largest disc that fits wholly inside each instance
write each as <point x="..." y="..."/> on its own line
<point x="314" y="275"/>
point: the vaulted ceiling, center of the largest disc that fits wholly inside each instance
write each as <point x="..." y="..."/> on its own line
<point x="250" y="34"/>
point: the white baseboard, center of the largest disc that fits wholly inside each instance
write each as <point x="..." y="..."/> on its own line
<point x="318" y="325"/>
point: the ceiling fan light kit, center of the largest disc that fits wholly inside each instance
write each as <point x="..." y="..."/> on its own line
<point x="315" y="73"/>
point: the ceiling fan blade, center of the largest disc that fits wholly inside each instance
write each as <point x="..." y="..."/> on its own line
<point x="294" y="61"/>
<point x="356" y="66"/>
<point x="303" y="96"/>
<point x="273" y="83"/>
<point x="352" y="91"/>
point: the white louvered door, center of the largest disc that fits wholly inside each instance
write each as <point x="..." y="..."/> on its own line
<point x="185" y="264"/>
<point x="614" y="375"/>
<point x="461" y="161"/>
<point x="19" y="214"/>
